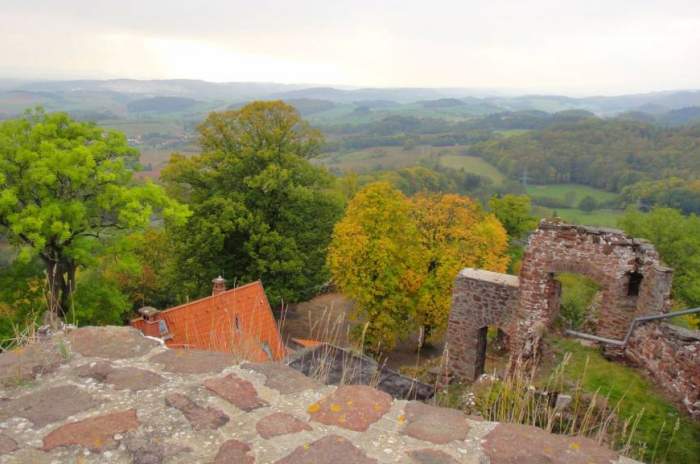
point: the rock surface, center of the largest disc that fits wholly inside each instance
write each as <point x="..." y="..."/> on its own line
<point x="97" y="403"/>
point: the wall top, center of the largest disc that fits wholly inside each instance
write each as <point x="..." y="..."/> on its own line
<point x="492" y="277"/>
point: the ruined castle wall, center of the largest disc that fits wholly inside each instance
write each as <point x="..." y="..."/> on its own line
<point x="671" y="355"/>
<point x="609" y="257"/>
<point x="479" y="299"/>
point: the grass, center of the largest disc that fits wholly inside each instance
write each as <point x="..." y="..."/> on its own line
<point x="474" y="165"/>
<point x="573" y="192"/>
<point x="635" y="395"/>
<point x="382" y="158"/>
<point x="600" y="217"/>
<point x="613" y="404"/>
<point x="511" y="132"/>
<point x="576" y="297"/>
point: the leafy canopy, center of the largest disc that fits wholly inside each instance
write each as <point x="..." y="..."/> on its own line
<point x="453" y="233"/>
<point x="374" y="259"/>
<point x="261" y="210"/>
<point x="514" y="212"/>
<point x="397" y="258"/>
<point x="66" y="187"/>
<point x="677" y="239"/>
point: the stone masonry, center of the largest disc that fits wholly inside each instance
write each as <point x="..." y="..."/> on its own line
<point x="111" y="395"/>
<point x="671" y="355"/>
<point x="632" y="279"/>
<point x="480" y="299"/>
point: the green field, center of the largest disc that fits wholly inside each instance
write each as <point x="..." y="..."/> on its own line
<point x="599" y="218"/>
<point x="564" y="192"/>
<point x="511" y="132"/>
<point x="474" y="165"/>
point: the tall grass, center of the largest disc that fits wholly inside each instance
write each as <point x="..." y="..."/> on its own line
<point x="602" y="414"/>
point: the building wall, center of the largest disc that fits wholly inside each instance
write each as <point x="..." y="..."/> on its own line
<point x="671" y="355"/>
<point x="479" y="299"/>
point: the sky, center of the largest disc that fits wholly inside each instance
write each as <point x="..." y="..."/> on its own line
<point x="576" y="47"/>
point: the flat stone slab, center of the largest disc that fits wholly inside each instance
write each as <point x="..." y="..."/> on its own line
<point x="152" y="447"/>
<point x="353" y="407"/>
<point x="283" y="378"/>
<point x="200" y="417"/>
<point x="193" y="361"/>
<point x="332" y="449"/>
<point x="280" y="423"/>
<point x="433" y="424"/>
<point x="234" y="452"/>
<point x="522" y="444"/>
<point x="431" y="456"/>
<point x="7" y="444"/>
<point x="110" y="342"/>
<point x="122" y="378"/>
<point x="25" y="363"/>
<point x="49" y="405"/>
<point x="95" y="433"/>
<point x="236" y="391"/>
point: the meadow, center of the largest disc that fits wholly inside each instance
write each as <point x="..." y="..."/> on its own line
<point x="573" y="192"/>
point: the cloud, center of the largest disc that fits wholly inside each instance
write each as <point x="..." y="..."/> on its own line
<point x="581" y="46"/>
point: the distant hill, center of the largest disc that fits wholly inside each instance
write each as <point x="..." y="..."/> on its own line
<point x="681" y="117"/>
<point x="442" y="103"/>
<point x="307" y="106"/>
<point x="161" y="104"/>
<point x="122" y="97"/>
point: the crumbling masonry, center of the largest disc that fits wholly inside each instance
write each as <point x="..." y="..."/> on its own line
<point x="632" y="280"/>
<point x="631" y="277"/>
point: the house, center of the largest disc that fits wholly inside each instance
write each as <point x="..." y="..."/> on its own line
<point x="238" y="321"/>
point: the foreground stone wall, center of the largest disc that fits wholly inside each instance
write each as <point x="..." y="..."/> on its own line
<point x="671" y="355"/>
<point x="110" y="395"/>
<point x="479" y="299"/>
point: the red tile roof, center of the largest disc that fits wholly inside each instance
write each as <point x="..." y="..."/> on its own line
<point x="237" y="321"/>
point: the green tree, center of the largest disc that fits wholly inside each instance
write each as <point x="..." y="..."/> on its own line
<point x="677" y="239"/>
<point x="261" y="210"/>
<point x="65" y="188"/>
<point x="375" y="261"/>
<point x="514" y="212"/>
<point x="588" y="204"/>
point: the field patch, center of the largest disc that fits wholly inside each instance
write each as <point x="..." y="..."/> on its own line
<point x="575" y="192"/>
<point x="474" y="165"/>
<point x="597" y="218"/>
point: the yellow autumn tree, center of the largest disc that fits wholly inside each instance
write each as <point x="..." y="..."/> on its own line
<point x="453" y="233"/>
<point x="374" y="260"/>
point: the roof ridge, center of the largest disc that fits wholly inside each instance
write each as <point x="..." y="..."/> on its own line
<point x="230" y="290"/>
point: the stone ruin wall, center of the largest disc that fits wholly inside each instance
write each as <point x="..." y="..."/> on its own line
<point x="608" y="257"/>
<point x="671" y="355"/>
<point x="524" y="307"/>
<point x="480" y="299"/>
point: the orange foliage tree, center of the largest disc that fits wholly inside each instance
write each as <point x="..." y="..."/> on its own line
<point x="397" y="257"/>
<point x="454" y="232"/>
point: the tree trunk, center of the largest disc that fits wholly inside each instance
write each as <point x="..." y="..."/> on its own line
<point x="61" y="282"/>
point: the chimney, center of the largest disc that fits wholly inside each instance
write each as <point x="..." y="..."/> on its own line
<point x="219" y="286"/>
<point x="148" y="313"/>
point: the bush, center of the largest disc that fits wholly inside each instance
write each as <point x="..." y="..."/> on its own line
<point x="588" y="204"/>
<point x="576" y="298"/>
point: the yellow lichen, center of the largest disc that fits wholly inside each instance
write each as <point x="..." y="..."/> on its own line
<point x="335" y="407"/>
<point x="314" y="408"/>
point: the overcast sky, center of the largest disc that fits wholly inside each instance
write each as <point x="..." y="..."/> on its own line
<point x="566" y="46"/>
